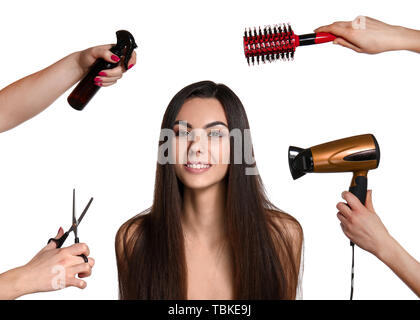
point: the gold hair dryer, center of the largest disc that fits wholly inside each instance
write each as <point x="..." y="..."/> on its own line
<point x="357" y="154"/>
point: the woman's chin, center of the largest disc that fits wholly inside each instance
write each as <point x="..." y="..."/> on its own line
<point x="198" y="184"/>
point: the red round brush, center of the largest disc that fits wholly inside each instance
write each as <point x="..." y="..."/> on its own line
<point x="279" y="42"/>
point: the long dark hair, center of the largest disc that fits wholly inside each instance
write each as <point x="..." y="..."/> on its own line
<point x="150" y="246"/>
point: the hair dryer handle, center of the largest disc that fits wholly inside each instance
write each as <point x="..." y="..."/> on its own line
<point x="359" y="189"/>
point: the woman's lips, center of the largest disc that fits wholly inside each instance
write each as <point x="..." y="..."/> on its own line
<point x="197" y="167"/>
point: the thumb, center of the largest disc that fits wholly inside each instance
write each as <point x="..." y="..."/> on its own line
<point x="52" y="244"/>
<point x="338" y="28"/>
<point x="368" y="203"/>
<point x="323" y="29"/>
<point x="105" y="53"/>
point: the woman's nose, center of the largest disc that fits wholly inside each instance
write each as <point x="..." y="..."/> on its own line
<point x="196" y="144"/>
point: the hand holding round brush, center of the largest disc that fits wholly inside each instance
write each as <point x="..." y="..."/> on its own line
<point x="367" y="35"/>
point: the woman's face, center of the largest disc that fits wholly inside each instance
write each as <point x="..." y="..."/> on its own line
<point x="201" y="143"/>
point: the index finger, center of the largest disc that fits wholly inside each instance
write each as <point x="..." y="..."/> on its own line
<point x="352" y="200"/>
<point x="337" y="28"/>
<point x="77" y="249"/>
<point x="132" y="61"/>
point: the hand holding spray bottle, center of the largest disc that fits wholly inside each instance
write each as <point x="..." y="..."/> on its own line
<point x="86" y="88"/>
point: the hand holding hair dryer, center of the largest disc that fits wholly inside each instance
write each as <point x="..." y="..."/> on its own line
<point x="357" y="154"/>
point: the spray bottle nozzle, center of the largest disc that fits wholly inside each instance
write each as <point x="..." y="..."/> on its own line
<point x="125" y="41"/>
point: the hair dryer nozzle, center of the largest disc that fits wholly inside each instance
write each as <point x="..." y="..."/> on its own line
<point x="300" y="161"/>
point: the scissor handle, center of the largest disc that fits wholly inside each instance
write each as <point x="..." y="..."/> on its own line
<point x="76" y="240"/>
<point x="59" y="242"/>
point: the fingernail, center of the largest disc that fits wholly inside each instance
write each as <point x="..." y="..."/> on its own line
<point x="101" y="73"/>
<point x="98" y="84"/>
<point x="130" y="66"/>
<point x="115" y="58"/>
<point x="97" y="79"/>
<point x="59" y="230"/>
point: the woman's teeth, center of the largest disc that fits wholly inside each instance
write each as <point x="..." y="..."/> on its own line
<point x="198" y="166"/>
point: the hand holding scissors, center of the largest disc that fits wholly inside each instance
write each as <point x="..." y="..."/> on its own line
<point x="75" y="223"/>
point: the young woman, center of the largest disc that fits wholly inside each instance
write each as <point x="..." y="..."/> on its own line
<point x="211" y="232"/>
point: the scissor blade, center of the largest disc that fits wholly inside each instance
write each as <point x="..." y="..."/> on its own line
<point x="74" y="223"/>
<point x="84" y="211"/>
<point x="74" y="208"/>
<point x="82" y="215"/>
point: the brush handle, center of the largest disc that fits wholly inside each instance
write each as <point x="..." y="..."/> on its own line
<point x="314" y="38"/>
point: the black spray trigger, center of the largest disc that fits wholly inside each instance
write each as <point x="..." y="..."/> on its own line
<point x="125" y="42"/>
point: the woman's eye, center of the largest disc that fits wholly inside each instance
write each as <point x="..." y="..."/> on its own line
<point x="216" y="134"/>
<point x="182" y="133"/>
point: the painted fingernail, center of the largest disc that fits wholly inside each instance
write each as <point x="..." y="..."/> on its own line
<point x="130" y="66"/>
<point x="98" y="84"/>
<point x="97" y="79"/>
<point x="59" y="230"/>
<point x="101" y="73"/>
<point x="115" y="58"/>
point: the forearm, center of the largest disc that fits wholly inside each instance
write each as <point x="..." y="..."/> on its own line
<point x="402" y="264"/>
<point x="409" y="39"/>
<point x="12" y="284"/>
<point x="29" y="96"/>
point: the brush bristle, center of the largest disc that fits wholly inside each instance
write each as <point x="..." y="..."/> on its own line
<point x="270" y="44"/>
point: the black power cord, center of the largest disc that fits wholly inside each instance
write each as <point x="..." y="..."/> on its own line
<point x="352" y="270"/>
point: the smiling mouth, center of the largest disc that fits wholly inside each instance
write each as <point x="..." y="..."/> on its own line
<point x="197" y="167"/>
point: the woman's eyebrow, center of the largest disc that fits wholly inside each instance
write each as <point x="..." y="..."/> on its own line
<point x="215" y="123"/>
<point x="182" y="122"/>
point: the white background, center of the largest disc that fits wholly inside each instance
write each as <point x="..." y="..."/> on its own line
<point x="109" y="150"/>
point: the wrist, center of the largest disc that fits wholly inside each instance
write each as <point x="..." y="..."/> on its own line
<point x="409" y="39"/>
<point x="14" y="283"/>
<point x="387" y="249"/>
<point x="78" y="66"/>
